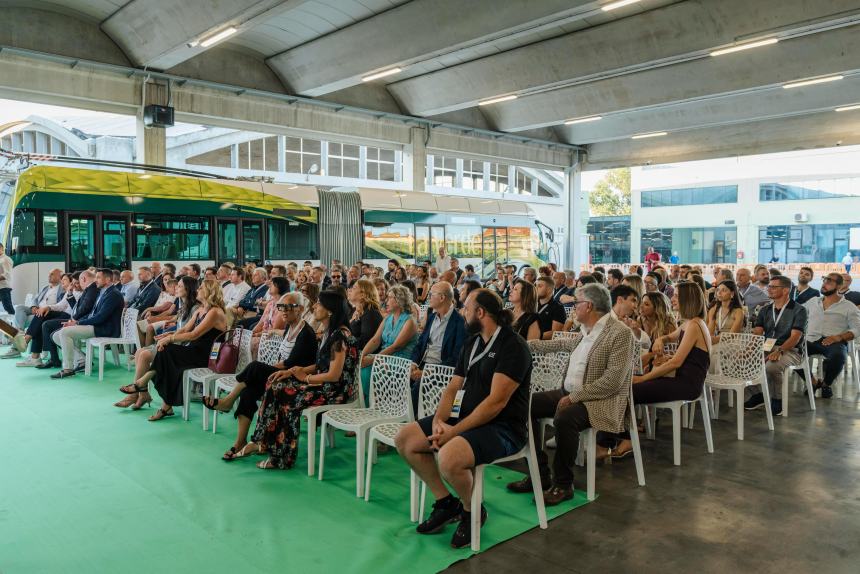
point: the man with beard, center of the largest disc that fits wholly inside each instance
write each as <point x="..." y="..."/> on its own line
<point x="482" y="416"/>
<point x="833" y="321"/>
<point x="804" y="292"/>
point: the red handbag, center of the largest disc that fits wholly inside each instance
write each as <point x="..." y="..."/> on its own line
<point x="224" y="356"/>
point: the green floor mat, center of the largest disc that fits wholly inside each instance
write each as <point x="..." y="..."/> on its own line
<point x="87" y="487"/>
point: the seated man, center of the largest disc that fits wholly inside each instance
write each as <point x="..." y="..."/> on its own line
<point x="51" y="294"/>
<point x="128" y="287"/>
<point x="442" y="338"/>
<point x="59" y="310"/>
<point x="833" y="321"/>
<point x="783" y="323"/>
<point x="103" y="321"/>
<point x="236" y="290"/>
<point x="147" y="292"/>
<point x="482" y="415"/>
<point x="247" y="307"/>
<point x="751" y="295"/>
<point x="79" y="304"/>
<point x="625" y="302"/>
<point x="594" y="395"/>
<point x="804" y="292"/>
<point x="551" y="313"/>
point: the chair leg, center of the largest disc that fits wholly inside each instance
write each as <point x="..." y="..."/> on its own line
<point x="323" y="430"/>
<point x="101" y="362"/>
<point x="115" y="352"/>
<point x="477" y="495"/>
<point x="676" y="434"/>
<point x="186" y="396"/>
<point x="88" y="365"/>
<point x="650" y="422"/>
<point x="809" y="390"/>
<point x="413" y="495"/>
<point x="422" y="498"/>
<point x="591" y="437"/>
<point x="360" y="446"/>
<point x="637" y="451"/>
<point x="740" y="415"/>
<point x="537" y="488"/>
<point x="371" y="448"/>
<point x="730" y="400"/>
<point x="706" y="422"/>
<point x="765" y="391"/>
<point x="312" y="442"/>
<point x="786" y="381"/>
<point x="206" y="393"/>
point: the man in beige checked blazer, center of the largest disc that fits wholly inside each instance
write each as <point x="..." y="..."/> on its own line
<point x="593" y="395"/>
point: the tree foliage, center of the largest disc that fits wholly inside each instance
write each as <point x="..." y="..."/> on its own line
<point x="611" y="195"/>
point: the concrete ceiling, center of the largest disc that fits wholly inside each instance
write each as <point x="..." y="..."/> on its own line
<point x="644" y="67"/>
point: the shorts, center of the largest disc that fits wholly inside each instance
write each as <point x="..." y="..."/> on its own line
<point x="488" y="442"/>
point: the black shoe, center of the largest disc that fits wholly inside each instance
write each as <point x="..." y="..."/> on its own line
<point x="63" y="374"/>
<point x="524" y="485"/>
<point x="50" y="365"/>
<point x="826" y="392"/>
<point x="463" y="535"/>
<point x="776" y="407"/>
<point x="80" y="368"/>
<point x="445" y="512"/>
<point x="754" y="402"/>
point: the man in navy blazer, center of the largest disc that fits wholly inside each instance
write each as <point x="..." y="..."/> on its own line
<point x="103" y="321"/>
<point x="147" y="292"/>
<point x="443" y="337"/>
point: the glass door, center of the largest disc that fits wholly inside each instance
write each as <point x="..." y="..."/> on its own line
<point x="82" y="242"/>
<point x="252" y="241"/>
<point x="227" y="232"/>
<point x="437" y="240"/>
<point x="115" y="242"/>
<point x="428" y="240"/>
<point x="494" y="247"/>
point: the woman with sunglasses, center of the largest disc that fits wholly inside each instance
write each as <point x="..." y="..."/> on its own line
<point x="297" y="350"/>
<point x="270" y="319"/>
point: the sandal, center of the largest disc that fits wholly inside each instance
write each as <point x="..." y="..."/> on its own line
<point x="230" y="454"/>
<point x="126" y="402"/>
<point x="211" y="403"/>
<point x="267" y="465"/>
<point x="235" y="454"/>
<point x="132" y="389"/>
<point x="160" y="414"/>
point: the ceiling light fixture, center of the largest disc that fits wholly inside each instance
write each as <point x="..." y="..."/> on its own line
<point x="497" y="100"/>
<point x="848" y="108"/>
<point x="742" y="47"/>
<point x="619" y="4"/>
<point x="583" y="120"/>
<point x="812" y="82"/>
<point x="218" y="36"/>
<point x="650" y="135"/>
<point x="378" y="75"/>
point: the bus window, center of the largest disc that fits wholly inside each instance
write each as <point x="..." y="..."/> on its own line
<point x="82" y="244"/>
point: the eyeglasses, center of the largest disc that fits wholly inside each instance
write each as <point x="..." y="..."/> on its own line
<point x="287" y="306"/>
<point x="830" y="280"/>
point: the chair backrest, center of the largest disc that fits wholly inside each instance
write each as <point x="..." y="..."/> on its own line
<point x="509" y="305"/>
<point x="242" y="337"/>
<point x="637" y="357"/>
<point x="128" y="324"/>
<point x="389" y="385"/>
<point x="566" y="335"/>
<point x="569" y="311"/>
<point x="30" y="300"/>
<point x="433" y="382"/>
<point x="548" y="370"/>
<point x="741" y="356"/>
<point x="269" y="349"/>
<point x="670" y="349"/>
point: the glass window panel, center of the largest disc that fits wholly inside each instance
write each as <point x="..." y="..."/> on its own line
<point x="350" y="168"/>
<point x="50" y="229"/>
<point x="373" y="153"/>
<point x="271" y="151"/>
<point x="243" y="156"/>
<point x="291" y="240"/>
<point x="335" y="167"/>
<point x="350" y="151"/>
<point x="387" y="155"/>
<point x="174" y="237"/>
<point x="228" y="242"/>
<point x="294" y="163"/>
<point x="82" y="242"/>
<point x="24" y="229"/>
<point x="256" y="150"/>
<point x="252" y="241"/>
<point x="386" y="241"/>
<point x="294" y="144"/>
<point x="311" y="146"/>
<point x="386" y="172"/>
<point x="114" y="244"/>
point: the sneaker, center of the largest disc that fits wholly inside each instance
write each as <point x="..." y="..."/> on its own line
<point x="776" y="407"/>
<point x="444" y="512"/>
<point x="826" y="392"/>
<point x="754" y="402"/>
<point x="463" y="535"/>
<point x="30" y="362"/>
<point x="12" y="353"/>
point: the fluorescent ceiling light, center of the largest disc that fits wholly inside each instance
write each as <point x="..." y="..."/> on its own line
<point x="651" y="135"/>
<point x="225" y="33"/>
<point x="497" y="100"/>
<point x="742" y="47"/>
<point x="812" y="82"/>
<point x="619" y="4"/>
<point x="583" y="120"/>
<point x="848" y="108"/>
<point x="378" y="75"/>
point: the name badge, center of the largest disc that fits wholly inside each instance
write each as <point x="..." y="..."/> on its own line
<point x="768" y="345"/>
<point x="214" y="353"/>
<point x="458" y="402"/>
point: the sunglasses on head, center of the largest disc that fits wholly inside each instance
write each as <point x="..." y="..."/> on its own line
<point x="287" y="306"/>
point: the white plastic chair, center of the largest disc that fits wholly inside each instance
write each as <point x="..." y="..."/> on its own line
<point x="390" y="402"/>
<point x="207" y="376"/>
<point x="433" y="382"/>
<point x="807" y="380"/>
<point x="128" y="339"/>
<point x="841" y="382"/>
<point x="566" y="335"/>
<point x="568" y="311"/>
<point x="269" y="352"/>
<point x="741" y="359"/>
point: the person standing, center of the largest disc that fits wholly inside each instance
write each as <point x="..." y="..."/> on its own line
<point x="652" y="258"/>
<point x="6" y="281"/>
<point x="848" y="261"/>
<point x="443" y="263"/>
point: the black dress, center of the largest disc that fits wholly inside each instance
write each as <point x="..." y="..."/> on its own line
<point x="365" y="327"/>
<point x="174" y="359"/>
<point x="521" y="326"/>
<point x="686" y="385"/>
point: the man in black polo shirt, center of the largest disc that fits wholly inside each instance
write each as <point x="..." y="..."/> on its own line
<point x="783" y="324"/>
<point x="551" y="313"/>
<point x="482" y="415"/>
<point x="804" y="292"/>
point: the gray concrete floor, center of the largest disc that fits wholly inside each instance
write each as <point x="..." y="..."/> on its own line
<point x="786" y="501"/>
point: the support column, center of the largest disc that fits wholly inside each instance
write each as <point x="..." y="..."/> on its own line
<point x="576" y="252"/>
<point x="419" y="158"/>
<point x="151" y="143"/>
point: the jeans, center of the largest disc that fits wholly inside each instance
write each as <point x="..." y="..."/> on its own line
<point x="835" y="356"/>
<point x="6" y="300"/>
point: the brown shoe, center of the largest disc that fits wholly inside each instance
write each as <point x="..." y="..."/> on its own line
<point x="556" y="495"/>
<point x="524" y="485"/>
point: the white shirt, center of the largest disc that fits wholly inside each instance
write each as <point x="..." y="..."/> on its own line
<point x="847" y="260"/>
<point x="433" y="355"/>
<point x="443" y="264"/>
<point x="6" y="272"/>
<point x="62" y="306"/>
<point x="839" y="317"/>
<point x="579" y="357"/>
<point x="644" y="339"/>
<point x="50" y="296"/>
<point x="233" y="293"/>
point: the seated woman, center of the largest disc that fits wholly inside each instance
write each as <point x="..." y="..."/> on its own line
<point x="366" y="318"/>
<point x="382" y="294"/>
<point x="61" y="310"/>
<point x="161" y="317"/>
<point x="726" y="314"/>
<point x="657" y="320"/>
<point x="299" y="349"/>
<point x="416" y="309"/>
<point x="690" y="362"/>
<point x="290" y="391"/>
<point x="422" y="285"/>
<point x="172" y="357"/>
<point x="396" y="335"/>
<point x="186" y="303"/>
<point x="524" y="298"/>
<point x="270" y="319"/>
<point x="311" y="291"/>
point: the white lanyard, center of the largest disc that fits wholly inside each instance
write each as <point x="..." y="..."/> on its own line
<point x="776" y="317"/>
<point x="473" y="359"/>
<point x="744" y="294"/>
<point x="720" y="321"/>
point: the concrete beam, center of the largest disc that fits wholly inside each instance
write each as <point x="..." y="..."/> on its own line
<point x="837" y="51"/>
<point x="717" y="111"/>
<point x="821" y="130"/>
<point x="670" y="34"/>
<point x="414" y="32"/>
<point x="156" y="33"/>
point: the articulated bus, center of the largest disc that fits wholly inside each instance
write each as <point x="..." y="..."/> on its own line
<point x="75" y="218"/>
